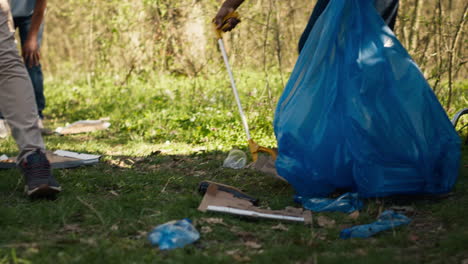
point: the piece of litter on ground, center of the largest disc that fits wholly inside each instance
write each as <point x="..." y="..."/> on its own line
<point x="216" y="200"/>
<point x="346" y="203"/>
<point x="265" y="164"/>
<point x="83" y="126"/>
<point x="386" y="220"/>
<point x="236" y="159"/>
<point x="86" y="158"/>
<point x="59" y="159"/>
<point x="174" y="234"/>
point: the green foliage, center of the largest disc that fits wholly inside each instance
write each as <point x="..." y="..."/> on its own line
<point x="167" y="108"/>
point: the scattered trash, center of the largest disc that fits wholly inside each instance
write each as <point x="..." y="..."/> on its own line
<point x="346" y="203"/>
<point x="174" y="234"/>
<point x="84" y="126"/>
<point x="387" y="220"/>
<point x="84" y="158"/>
<point x="59" y="159"/>
<point x="236" y="159"/>
<point x="217" y="200"/>
<point x="265" y="164"/>
<point x="203" y="187"/>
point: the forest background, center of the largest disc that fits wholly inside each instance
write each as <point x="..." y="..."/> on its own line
<point x="152" y="67"/>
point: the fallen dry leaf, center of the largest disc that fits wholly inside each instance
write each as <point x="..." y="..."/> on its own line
<point x="141" y="234"/>
<point x="114" y="193"/>
<point x="354" y="215"/>
<point x="213" y="220"/>
<point x="252" y="244"/>
<point x="206" y="229"/>
<point x="246" y="236"/>
<point x="73" y="228"/>
<point x="324" y="221"/>
<point x="232" y="252"/>
<point x="280" y="227"/>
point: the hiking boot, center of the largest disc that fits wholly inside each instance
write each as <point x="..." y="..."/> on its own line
<point x="40" y="183"/>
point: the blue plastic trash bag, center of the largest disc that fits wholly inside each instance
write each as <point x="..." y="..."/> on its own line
<point x="357" y="113"/>
<point x="387" y="220"/>
<point x="174" y="234"/>
<point x="346" y="203"/>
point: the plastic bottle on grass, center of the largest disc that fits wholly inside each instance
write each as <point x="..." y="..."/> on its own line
<point x="174" y="234"/>
<point x="346" y="203"/>
<point x="387" y="220"/>
<point x="236" y="159"/>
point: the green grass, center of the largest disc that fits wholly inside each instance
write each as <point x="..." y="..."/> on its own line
<point x="105" y="210"/>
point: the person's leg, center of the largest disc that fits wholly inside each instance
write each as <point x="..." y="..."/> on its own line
<point x="388" y="9"/>
<point x="23" y="24"/>
<point x="17" y="103"/>
<point x="318" y="10"/>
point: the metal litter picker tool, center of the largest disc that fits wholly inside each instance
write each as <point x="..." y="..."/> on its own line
<point x="253" y="146"/>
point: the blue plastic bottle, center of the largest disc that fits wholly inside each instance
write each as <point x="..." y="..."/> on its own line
<point x="387" y="220"/>
<point x="174" y="234"/>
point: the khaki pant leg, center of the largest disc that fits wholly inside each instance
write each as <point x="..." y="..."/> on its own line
<point x="17" y="101"/>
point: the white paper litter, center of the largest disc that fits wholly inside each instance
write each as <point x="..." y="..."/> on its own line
<point x="83" y="126"/>
<point x="87" y="158"/>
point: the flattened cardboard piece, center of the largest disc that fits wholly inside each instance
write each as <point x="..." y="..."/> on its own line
<point x="60" y="159"/>
<point x="203" y="187"/>
<point x="266" y="165"/>
<point x="219" y="201"/>
<point x="83" y="126"/>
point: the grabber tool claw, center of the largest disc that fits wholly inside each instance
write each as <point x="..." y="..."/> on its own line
<point x="253" y="146"/>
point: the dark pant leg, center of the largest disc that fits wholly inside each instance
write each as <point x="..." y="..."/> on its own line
<point x="388" y="9"/>
<point x="35" y="73"/>
<point x="318" y="10"/>
<point x="23" y="24"/>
